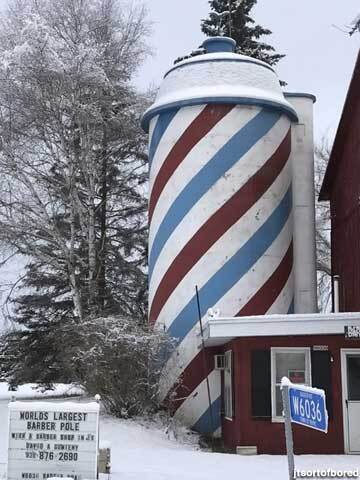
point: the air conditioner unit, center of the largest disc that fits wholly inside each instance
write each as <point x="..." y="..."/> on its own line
<point x="219" y="362"/>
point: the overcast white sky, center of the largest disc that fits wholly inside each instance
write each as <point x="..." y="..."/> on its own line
<point x="320" y="58"/>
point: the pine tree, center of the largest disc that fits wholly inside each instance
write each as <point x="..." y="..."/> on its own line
<point x="231" y="18"/>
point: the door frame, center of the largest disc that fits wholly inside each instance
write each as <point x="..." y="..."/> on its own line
<point x="344" y="383"/>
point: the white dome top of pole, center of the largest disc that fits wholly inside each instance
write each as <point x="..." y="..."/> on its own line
<point x="219" y="76"/>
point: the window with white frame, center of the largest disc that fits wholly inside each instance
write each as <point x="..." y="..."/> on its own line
<point x="228" y="394"/>
<point x="293" y="363"/>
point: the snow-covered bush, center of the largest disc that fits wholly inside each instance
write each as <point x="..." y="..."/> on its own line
<point x="122" y="361"/>
<point x="118" y="358"/>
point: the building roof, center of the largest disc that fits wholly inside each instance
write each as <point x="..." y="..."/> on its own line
<point x="218" y="76"/>
<point x="221" y="330"/>
<point x="353" y="97"/>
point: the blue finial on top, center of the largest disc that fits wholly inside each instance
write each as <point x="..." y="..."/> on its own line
<point x="219" y="45"/>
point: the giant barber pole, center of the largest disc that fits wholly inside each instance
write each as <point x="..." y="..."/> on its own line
<point x="220" y="208"/>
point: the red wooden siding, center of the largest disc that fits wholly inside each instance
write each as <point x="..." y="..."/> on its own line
<point x="345" y="214"/>
<point x="342" y="187"/>
<point x="269" y="436"/>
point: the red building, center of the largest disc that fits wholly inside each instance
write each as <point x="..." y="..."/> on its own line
<point x="309" y="349"/>
<point x="342" y="188"/>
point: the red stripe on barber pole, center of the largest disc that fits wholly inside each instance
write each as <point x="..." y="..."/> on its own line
<point x="198" y="369"/>
<point x="198" y="129"/>
<point x="269" y="292"/>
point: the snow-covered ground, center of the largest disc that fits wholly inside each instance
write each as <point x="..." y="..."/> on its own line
<point x="142" y="451"/>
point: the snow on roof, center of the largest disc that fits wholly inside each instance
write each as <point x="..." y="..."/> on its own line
<point x="295" y="317"/>
<point x="213" y="91"/>
<point x="221" y="330"/>
<point x="219" y="77"/>
<point x="225" y="56"/>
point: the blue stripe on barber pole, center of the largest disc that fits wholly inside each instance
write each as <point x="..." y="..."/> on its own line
<point x="217" y="166"/>
<point x="161" y="126"/>
<point x="233" y="270"/>
<point x="206" y="424"/>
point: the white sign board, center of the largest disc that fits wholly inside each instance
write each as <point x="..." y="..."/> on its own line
<point x="53" y="440"/>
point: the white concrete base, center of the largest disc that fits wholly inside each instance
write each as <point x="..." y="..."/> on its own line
<point x="246" y="450"/>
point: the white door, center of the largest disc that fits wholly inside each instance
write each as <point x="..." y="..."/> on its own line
<point x="351" y="392"/>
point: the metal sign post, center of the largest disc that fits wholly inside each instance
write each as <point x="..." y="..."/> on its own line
<point x="305" y="406"/>
<point x="288" y="431"/>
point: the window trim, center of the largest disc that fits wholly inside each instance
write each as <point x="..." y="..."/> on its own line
<point x="273" y="351"/>
<point x="230" y="353"/>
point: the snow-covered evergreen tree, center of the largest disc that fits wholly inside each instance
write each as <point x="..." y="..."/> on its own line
<point x="232" y="18"/>
<point x="73" y="167"/>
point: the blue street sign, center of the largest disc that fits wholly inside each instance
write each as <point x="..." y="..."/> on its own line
<point x="308" y="407"/>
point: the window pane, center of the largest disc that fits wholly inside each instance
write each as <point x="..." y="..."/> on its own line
<point x="290" y="364"/>
<point x="279" y="404"/>
<point x="228" y="400"/>
<point x="353" y="367"/>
